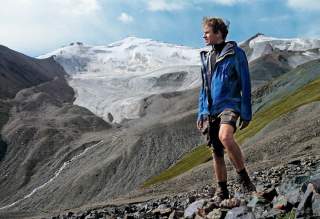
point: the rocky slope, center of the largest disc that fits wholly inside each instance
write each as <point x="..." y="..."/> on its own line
<point x="285" y="84"/>
<point x="40" y="126"/>
<point x="18" y="71"/>
<point x="290" y="190"/>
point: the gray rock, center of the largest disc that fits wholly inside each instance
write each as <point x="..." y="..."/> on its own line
<point x="305" y="201"/>
<point x="217" y="214"/>
<point x="92" y="216"/>
<point x="259" y="211"/>
<point x="162" y="211"/>
<point x="316" y="184"/>
<point x="191" y="199"/>
<point x="280" y="202"/>
<point x="129" y="216"/>
<point x="176" y="214"/>
<point x="273" y="213"/>
<point x="110" y="117"/>
<point x="198" y="217"/>
<point x="316" y="204"/>
<point x="209" y="207"/>
<point x="294" y="197"/>
<point x="192" y="209"/>
<point x="301" y="179"/>
<point x="242" y="212"/>
<point x="256" y="200"/>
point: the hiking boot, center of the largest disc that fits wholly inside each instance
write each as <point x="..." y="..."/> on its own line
<point x="246" y="185"/>
<point x="220" y="195"/>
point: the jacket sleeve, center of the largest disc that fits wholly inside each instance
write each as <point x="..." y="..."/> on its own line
<point x="242" y="69"/>
<point x="200" y="104"/>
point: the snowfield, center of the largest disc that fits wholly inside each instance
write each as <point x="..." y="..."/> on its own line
<point x="112" y="80"/>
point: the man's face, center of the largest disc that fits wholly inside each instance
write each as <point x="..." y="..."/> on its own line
<point x="210" y="37"/>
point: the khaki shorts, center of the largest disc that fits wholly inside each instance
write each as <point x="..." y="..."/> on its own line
<point x="228" y="116"/>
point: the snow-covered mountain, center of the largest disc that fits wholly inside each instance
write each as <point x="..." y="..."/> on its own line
<point x="303" y="49"/>
<point x="131" y="55"/>
<point x="112" y="80"/>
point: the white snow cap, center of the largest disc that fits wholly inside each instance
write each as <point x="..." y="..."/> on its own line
<point x="262" y="45"/>
<point x="131" y="54"/>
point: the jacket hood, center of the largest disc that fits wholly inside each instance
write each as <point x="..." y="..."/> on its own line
<point x="228" y="49"/>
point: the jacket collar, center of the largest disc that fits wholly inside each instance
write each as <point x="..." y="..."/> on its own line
<point x="228" y="49"/>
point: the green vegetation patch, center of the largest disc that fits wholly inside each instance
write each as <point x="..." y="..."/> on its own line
<point x="289" y="215"/>
<point x="304" y="95"/>
<point x="307" y="94"/>
<point x="194" y="158"/>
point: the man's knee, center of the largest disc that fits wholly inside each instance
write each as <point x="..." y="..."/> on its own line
<point x="226" y="135"/>
<point x="226" y="140"/>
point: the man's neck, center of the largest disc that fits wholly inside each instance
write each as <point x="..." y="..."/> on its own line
<point x="218" y="47"/>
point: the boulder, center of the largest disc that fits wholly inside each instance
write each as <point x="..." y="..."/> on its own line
<point x="217" y="213"/>
<point x="315" y="203"/>
<point x="305" y="202"/>
<point x="193" y="208"/>
<point x="242" y="212"/>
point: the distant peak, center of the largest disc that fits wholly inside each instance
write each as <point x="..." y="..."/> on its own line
<point x="129" y="41"/>
<point x="256" y="36"/>
<point x="134" y="39"/>
<point x="76" y="44"/>
<point x="259" y="34"/>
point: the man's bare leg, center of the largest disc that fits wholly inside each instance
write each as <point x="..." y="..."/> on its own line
<point x="233" y="149"/>
<point x="219" y="167"/>
<point x="227" y="139"/>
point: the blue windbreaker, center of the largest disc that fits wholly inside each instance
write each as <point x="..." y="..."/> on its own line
<point x="230" y="83"/>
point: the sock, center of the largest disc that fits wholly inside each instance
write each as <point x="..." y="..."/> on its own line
<point x="223" y="186"/>
<point x="244" y="174"/>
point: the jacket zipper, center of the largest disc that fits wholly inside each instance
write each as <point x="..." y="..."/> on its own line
<point x="208" y="62"/>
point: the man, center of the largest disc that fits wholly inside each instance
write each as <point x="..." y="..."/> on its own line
<point x="224" y="97"/>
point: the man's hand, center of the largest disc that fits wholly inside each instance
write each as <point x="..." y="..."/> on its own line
<point x="200" y="124"/>
<point x="243" y="124"/>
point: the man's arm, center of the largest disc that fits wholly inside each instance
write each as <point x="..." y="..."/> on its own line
<point x="244" y="75"/>
<point x="202" y="110"/>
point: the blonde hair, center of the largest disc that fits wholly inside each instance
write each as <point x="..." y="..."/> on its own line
<point x="217" y="24"/>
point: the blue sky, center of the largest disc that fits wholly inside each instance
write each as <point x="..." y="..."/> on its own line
<point x="35" y="27"/>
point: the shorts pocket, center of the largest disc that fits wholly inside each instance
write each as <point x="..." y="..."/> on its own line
<point x="228" y="116"/>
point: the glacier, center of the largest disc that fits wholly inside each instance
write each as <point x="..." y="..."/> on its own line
<point x="112" y="80"/>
